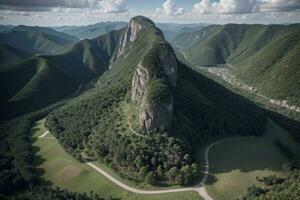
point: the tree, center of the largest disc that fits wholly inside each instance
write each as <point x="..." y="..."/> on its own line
<point x="173" y="173"/>
<point x="151" y="178"/>
<point x="254" y="191"/>
<point x="179" y="179"/>
<point x="143" y="173"/>
<point x="187" y="174"/>
<point x="108" y="197"/>
<point x="160" y="171"/>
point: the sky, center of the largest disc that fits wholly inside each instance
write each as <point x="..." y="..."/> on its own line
<point x="83" y="12"/>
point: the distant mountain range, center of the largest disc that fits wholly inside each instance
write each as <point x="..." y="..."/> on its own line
<point x="94" y="30"/>
<point x="91" y="31"/>
<point x="36" y="39"/>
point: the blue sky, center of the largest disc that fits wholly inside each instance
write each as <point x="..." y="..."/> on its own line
<point x="82" y="12"/>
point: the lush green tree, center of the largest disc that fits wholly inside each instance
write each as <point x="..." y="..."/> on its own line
<point x="151" y="178"/>
<point x="143" y="172"/>
<point x="173" y="173"/>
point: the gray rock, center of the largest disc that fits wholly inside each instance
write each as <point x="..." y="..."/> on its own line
<point x="154" y="116"/>
<point x="129" y="36"/>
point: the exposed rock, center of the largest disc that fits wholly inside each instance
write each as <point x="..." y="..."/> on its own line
<point x="139" y="81"/>
<point x="129" y="36"/>
<point x="157" y="115"/>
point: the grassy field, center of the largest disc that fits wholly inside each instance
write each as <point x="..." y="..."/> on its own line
<point x="60" y="169"/>
<point x="236" y="164"/>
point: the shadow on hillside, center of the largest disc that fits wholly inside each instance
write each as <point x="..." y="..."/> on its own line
<point x="37" y="162"/>
<point x="219" y="112"/>
<point x="37" y="159"/>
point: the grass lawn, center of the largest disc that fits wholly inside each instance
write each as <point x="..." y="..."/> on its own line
<point x="236" y="164"/>
<point x="60" y="169"/>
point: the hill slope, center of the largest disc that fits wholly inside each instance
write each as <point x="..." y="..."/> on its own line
<point x="32" y="84"/>
<point x="10" y="55"/>
<point x="263" y="56"/>
<point x="41" y="80"/>
<point x="36" y="39"/>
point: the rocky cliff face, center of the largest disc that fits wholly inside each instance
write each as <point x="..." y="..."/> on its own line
<point x="129" y="36"/>
<point x="152" y="91"/>
<point x="157" y="117"/>
<point x="139" y="81"/>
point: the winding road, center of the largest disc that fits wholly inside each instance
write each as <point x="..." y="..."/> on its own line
<point x="200" y="187"/>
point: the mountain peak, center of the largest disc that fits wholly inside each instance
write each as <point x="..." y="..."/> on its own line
<point x="144" y="21"/>
<point x="131" y="32"/>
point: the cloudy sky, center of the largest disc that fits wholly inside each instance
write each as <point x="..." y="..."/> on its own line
<point x="82" y="12"/>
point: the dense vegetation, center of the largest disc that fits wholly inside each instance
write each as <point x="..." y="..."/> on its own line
<point x="33" y="83"/>
<point x="276" y="187"/>
<point x="201" y="113"/>
<point x="17" y="170"/>
<point x="264" y="56"/>
<point x="48" y="193"/>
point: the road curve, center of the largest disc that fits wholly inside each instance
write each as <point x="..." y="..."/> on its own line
<point x="200" y="188"/>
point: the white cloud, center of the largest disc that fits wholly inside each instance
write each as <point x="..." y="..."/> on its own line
<point x="45" y="5"/>
<point x="244" y="6"/>
<point x="169" y="7"/>
<point x="279" y="5"/>
<point x="114" y="6"/>
<point x="226" y="6"/>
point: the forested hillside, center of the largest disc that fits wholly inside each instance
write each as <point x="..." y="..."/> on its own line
<point x="36" y="82"/>
<point x="10" y="55"/>
<point x="264" y="56"/>
<point x="32" y="84"/>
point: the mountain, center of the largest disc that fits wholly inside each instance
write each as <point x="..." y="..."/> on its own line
<point x="148" y="112"/>
<point x="32" y="84"/>
<point x="4" y="28"/>
<point x="91" y="31"/>
<point x="10" y="55"/>
<point x="264" y="56"/>
<point x="36" y="39"/>
<point x="48" y="78"/>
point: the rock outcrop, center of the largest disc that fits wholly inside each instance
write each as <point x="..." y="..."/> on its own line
<point x="130" y="35"/>
<point x="139" y="81"/>
<point x="152" y="89"/>
<point x="157" y="117"/>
